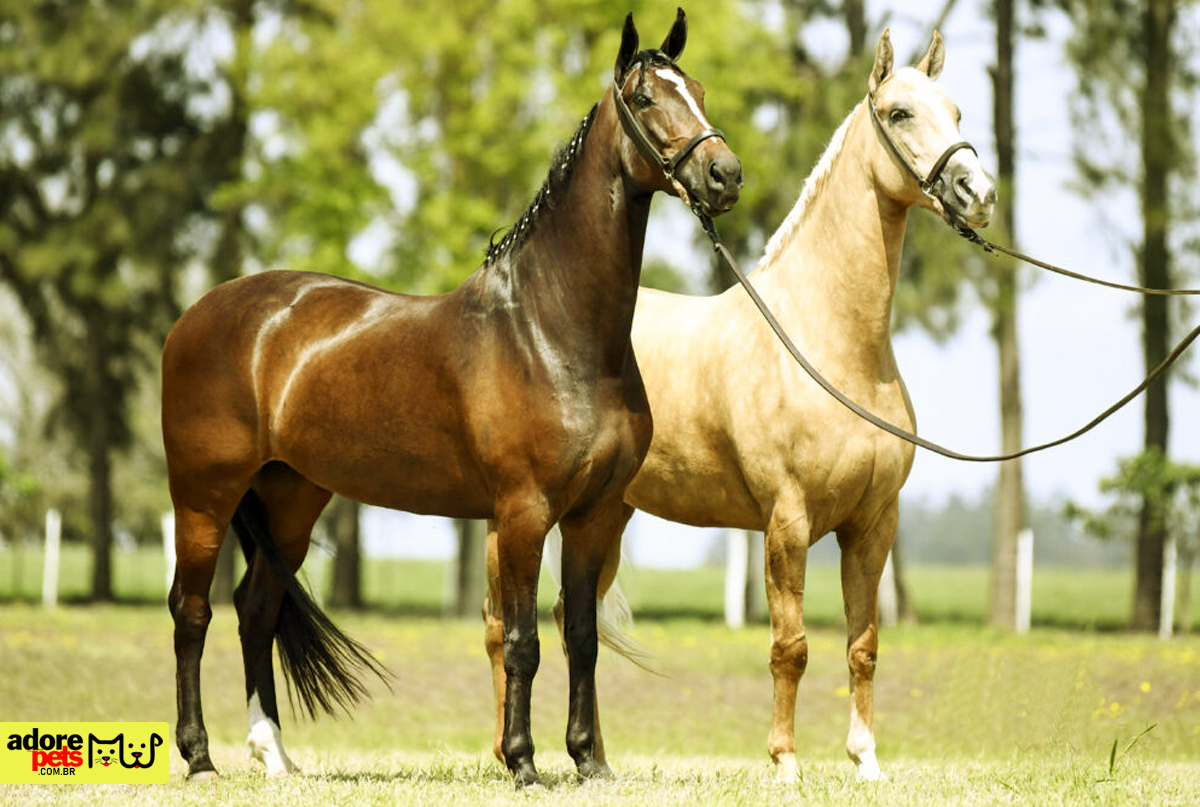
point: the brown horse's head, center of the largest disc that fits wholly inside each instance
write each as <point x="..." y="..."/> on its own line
<point x="670" y="145"/>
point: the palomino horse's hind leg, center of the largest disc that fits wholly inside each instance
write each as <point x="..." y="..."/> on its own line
<point x="198" y="540"/>
<point x="589" y="540"/>
<point x="787" y="540"/>
<point x="493" y="637"/>
<point x="521" y="526"/>
<point x="863" y="558"/>
<point x="292" y="505"/>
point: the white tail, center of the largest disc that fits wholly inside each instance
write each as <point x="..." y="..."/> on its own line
<point x="614" y="620"/>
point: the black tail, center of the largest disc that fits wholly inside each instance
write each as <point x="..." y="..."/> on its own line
<point x="320" y="663"/>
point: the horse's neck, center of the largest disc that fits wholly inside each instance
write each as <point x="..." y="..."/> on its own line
<point x="581" y="264"/>
<point x="834" y="278"/>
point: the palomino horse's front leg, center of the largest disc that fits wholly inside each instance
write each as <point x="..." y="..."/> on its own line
<point x="521" y="526"/>
<point x="197" y="543"/>
<point x="591" y="540"/>
<point x="863" y="557"/>
<point x="787" y="540"/>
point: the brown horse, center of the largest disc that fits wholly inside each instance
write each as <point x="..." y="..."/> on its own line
<point x="743" y="438"/>
<point x="514" y="398"/>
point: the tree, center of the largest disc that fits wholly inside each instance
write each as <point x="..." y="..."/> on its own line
<point x="100" y="177"/>
<point x="1151" y="486"/>
<point x="1127" y="58"/>
<point x="1002" y="299"/>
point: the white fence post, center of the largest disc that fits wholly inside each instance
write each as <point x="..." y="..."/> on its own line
<point x="736" y="566"/>
<point x="1166" y="615"/>
<point x="1024" y="593"/>
<point x="168" y="538"/>
<point x="889" y="605"/>
<point x="53" y="555"/>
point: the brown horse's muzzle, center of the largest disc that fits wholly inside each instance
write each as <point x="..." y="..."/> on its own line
<point x="713" y="178"/>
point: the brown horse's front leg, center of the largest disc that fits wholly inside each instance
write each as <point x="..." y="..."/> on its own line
<point x="787" y="540"/>
<point x="588" y="538"/>
<point x="521" y="526"/>
<point x="863" y="558"/>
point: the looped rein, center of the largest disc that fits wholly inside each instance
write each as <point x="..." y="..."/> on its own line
<point x="648" y="149"/>
<point x="711" y="230"/>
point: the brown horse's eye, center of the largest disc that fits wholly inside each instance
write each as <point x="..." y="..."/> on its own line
<point x="642" y="101"/>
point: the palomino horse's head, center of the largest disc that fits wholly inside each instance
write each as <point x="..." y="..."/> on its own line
<point x="922" y="156"/>
<point x="670" y="145"/>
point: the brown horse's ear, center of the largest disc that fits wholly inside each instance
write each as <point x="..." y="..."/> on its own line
<point x="883" y="62"/>
<point x="629" y="48"/>
<point x="933" y="60"/>
<point x="673" y="44"/>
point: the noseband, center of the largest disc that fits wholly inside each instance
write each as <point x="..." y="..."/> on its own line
<point x="639" y="136"/>
<point x="939" y="165"/>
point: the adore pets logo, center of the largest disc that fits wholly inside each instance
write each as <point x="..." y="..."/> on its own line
<point x="83" y="753"/>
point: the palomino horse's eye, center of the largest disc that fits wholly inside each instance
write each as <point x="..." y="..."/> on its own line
<point x="899" y="115"/>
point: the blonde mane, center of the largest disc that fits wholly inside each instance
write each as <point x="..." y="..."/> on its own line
<point x="813" y="185"/>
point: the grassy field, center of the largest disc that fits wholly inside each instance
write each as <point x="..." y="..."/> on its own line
<point x="965" y="715"/>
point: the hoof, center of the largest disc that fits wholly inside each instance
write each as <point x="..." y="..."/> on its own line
<point x="592" y="770"/>
<point x="787" y="770"/>
<point x="209" y="775"/>
<point x="526" y="776"/>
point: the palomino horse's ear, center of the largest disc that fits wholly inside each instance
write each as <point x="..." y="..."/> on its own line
<point x="933" y="60"/>
<point x="629" y="48"/>
<point x="673" y="44"/>
<point x="883" y="62"/>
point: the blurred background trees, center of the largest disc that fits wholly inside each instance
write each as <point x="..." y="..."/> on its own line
<point x="151" y="150"/>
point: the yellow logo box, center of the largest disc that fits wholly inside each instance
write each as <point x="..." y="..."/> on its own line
<point x="83" y="753"/>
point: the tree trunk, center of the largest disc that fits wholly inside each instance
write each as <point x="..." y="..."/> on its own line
<point x="470" y="576"/>
<point x="346" y="586"/>
<point x="1010" y="493"/>
<point x="1157" y="155"/>
<point x="99" y="448"/>
<point x="1187" y="557"/>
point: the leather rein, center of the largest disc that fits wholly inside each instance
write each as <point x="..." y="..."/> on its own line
<point x="926" y="184"/>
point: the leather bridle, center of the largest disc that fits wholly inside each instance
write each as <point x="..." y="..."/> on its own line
<point x="927" y="182"/>
<point x="642" y="140"/>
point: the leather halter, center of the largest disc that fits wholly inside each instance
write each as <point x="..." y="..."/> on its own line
<point x="939" y="165"/>
<point x="639" y="137"/>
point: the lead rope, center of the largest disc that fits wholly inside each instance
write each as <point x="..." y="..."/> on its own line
<point x="988" y="246"/>
<point x="719" y="247"/>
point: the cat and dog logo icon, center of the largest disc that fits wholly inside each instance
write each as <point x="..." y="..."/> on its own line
<point x="119" y="753"/>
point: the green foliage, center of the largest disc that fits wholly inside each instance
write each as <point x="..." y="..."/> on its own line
<point x="1169" y="490"/>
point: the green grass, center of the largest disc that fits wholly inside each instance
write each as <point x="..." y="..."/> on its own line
<point x="965" y="715"/>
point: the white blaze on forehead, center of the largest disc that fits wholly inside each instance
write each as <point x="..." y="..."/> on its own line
<point x="681" y="85"/>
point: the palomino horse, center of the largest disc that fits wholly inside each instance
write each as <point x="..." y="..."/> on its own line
<point x="743" y="438"/>
<point x="515" y="398"/>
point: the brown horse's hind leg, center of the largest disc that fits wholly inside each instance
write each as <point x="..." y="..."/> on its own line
<point x="787" y="540"/>
<point x="591" y="542"/>
<point x="198" y="538"/>
<point x="863" y="558"/>
<point x="291" y="505"/>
